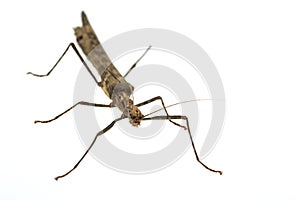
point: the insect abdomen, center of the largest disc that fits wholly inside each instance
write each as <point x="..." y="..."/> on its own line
<point x="95" y="53"/>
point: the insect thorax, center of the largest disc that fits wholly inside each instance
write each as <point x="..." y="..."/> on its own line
<point x="119" y="93"/>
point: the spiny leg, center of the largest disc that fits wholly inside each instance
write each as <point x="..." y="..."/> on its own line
<point x="91" y="145"/>
<point x="162" y="102"/>
<point x="80" y="57"/>
<point x="79" y="103"/>
<point x="134" y="65"/>
<point x="191" y="138"/>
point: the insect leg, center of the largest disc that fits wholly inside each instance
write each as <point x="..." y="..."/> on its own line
<point x="91" y="145"/>
<point x="79" y="103"/>
<point x="80" y="57"/>
<point x="191" y="138"/>
<point x="162" y="102"/>
<point x="134" y="65"/>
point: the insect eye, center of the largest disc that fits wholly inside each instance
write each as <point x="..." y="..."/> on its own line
<point x="79" y="38"/>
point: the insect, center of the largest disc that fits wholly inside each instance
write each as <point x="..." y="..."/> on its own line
<point x="114" y="86"/>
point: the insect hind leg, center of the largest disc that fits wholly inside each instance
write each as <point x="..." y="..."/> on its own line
<point x="80" y="57"/>
<point x="134" y="65"/>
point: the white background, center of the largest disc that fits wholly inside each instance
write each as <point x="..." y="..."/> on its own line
<point x="255" y="46"/>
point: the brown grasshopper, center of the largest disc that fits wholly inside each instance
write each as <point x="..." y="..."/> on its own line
<point x="114" y="86"/>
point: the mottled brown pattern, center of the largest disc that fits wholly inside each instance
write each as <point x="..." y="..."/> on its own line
<point x="95" y="53"/>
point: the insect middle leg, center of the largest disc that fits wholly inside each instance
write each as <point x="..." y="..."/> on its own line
<point x="80" y="57"/>
<point x="162" y="102"/>
<point x="79" y="103"/>
<point x="189" y="131"/>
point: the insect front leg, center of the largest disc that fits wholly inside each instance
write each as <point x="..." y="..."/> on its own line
<point x="91" y="145"/>
<point x="79" y="103"/>
<point x="189" y="131"/>
<point x="80" y="57"/>
<point x="163" y="104"/>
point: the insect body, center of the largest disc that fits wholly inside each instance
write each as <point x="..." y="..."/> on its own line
<point x="113" y="83"/>
<point x="114" y="86"/>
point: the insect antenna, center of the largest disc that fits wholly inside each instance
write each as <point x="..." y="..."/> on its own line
<point x="182" y="102"/>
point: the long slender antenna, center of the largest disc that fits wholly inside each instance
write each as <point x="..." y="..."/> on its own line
<point x="188" y="101"/>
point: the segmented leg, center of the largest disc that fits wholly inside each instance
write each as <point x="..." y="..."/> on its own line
<point x="134" y="65"/>
<point x="79" y="103"/>
<point x="189" y="131"/>
<point x="80" y="57"/>
<point x="162" y="102"/>
<point x="91" y="145"/>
